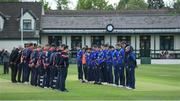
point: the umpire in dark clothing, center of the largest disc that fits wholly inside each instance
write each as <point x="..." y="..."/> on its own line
<point x="6" y="56"/>
<point x="64" y="69"/>
<point x="13" y="64"/>
<point x="19" y="65"/>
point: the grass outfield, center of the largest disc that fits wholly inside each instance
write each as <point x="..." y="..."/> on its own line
<point x="154" y="82"/>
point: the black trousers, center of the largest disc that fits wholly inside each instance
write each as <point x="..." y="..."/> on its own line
<point x="121" y="75"/>
<point x="6" y="67"/>
<point x="41" y="73"/>
<point x="19" y="72"/>
<point x="13" y="72"/>
<point x="53" y="74"/>
<point x="104" y="72"/>
<point x="62" y="75"/>
<point x="85" y="71"/>
<point x="46" y="78"/>
<point x="98" y="74"/>
<point x="34" y="76"/>
<point x="109" y="73"/>
<point x="80" y="70"/>
<point x="26" y="72"/>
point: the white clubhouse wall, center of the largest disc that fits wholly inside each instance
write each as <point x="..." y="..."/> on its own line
<point x="134" y="39"/>
<point x="9" y="44"/>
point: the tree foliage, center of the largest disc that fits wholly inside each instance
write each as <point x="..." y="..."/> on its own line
<point x="84" y="5"/>
<point x="155" y="4"/>
<point x="45" y="5"/>
<point x="177" y="6"/>
<point x="131" y="5"/>
<point x="62" y="4"/>
<point x="94" y="4"/>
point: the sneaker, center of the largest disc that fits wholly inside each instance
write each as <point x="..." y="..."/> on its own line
<point x="95" y="83"/>
<point x="114" y="85"/>
<point x="26" y="83"/>
<point x="121" y="86"/>
<point x="83" y="81"/>
<point x="65" y="90"/>
<point x="104" y="83"/>
<point x="129" y="88"/>
<point x="45" y="87"/>
<point x="99" y="83"/>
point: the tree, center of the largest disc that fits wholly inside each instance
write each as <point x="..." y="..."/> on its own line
<point x="137" y="5"/>
<point x="94" y="4"/>
<point x="155" y="4"/>
<point x="9" y="1"/>
<point x="62" y="4"/>
<point x="122" y="4"/>
<point x="45" y="5"/>
<point x="100" y="4"/>
<point x="84" y="4"/>
<point x="177" y="6"/>
<point x="109" y="7"/>
<point x="131" y="5"/>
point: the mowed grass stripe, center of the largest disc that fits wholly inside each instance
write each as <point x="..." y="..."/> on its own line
<point x="151" y="85"/>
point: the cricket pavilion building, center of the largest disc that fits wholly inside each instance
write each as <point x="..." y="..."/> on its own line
<point x="154" y="34"/>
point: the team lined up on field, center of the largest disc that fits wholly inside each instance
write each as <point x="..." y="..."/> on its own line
<point x="45" y="67"/>
<point x="96" y="64"/>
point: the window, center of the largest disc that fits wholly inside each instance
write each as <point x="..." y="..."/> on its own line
<point x="127" y="39"/>
<point x="1" y="23"/>
<point x="97" y="40"/>
<point x="167" y="42"/>
<point x="57" y="40"/>
<point x="76" y="41"/>
<point x="27" y="24"/>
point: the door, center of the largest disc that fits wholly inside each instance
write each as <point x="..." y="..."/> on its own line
<point x="145" y="45"/>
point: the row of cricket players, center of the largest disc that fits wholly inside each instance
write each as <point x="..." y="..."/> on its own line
<point x="46" y="67"/>
<point x="107" y="65"/>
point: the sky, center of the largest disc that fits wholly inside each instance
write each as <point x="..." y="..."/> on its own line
<point x="73" y="3"/>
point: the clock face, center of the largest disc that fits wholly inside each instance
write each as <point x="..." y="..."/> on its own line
<point x="109" y="28"/>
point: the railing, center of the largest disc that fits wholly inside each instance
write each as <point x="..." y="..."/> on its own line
<point x="158" y="54"/>
<point x="154" y="54"/>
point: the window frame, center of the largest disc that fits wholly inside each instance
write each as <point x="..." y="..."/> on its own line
<point x="75" y="41"/>
<point x="165" y="40"/>
<point x="2" y="23"/>
<point x="127" y="39"/>
<point x="23" y="21"/>
<point x="54" y="40"/>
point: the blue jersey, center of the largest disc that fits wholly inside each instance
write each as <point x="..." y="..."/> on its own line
<point x="121" y="56"/>
<point x="34" y="56"/>
<point x="27" y="54"/>
<point x="100" y="57"/>
<point x="115" y="56"/>
<point x="109" y="58"/>
<point x="40" y="58"/>
<point x="52" y="58"/>
<point x="47" y="55"/>
<point x="94" y="58"/>
<point x="88" y="59"/>
<point x="79" y="55"/>
<point x="105" y="55"/>
<point x="130" y="60"/>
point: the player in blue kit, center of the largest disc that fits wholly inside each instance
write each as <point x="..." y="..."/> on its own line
<point x="131" y="65"/>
